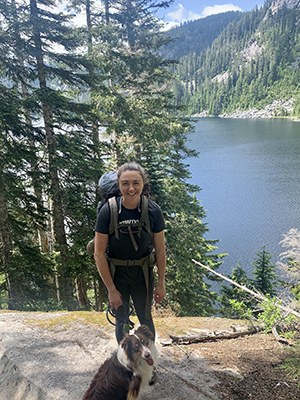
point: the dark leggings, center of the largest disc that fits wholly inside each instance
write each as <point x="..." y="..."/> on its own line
<point x="130" y="282"/>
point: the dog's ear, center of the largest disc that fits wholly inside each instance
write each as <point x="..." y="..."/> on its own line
<point x="126" y="344"/>
<point x="144" y="330"/>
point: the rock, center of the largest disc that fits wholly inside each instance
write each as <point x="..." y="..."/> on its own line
<point x="270" y="111"/>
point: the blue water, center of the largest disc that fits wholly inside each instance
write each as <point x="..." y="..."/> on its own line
<point x="248" y="172"/>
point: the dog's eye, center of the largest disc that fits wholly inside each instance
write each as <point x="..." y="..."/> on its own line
<point x="145" y="342"/>
<point x="136" y="348"/>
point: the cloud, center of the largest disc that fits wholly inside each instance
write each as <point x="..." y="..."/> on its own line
<point x="178" y="15"/>
<point x="219" y="8"/>
<point x="192" y="15"/>
<point x="181" y="15"/>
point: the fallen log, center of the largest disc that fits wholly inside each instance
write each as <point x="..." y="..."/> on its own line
<point x="215" y="335"/>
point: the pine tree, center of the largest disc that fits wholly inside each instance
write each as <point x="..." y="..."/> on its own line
<point x="48" y="80"/>
<point x="23" y="267"/>
<point x="265" y="278"/>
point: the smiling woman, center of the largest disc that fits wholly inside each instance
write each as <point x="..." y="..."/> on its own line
<point x="139" y="231"/>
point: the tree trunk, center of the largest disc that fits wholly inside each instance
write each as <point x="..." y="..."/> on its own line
<point x="65" y="283"/>
<point x="81" y="292"/>
<point x="102" y="294"/>
<point x="42" y="235"/>
<point x="12" y="285"/>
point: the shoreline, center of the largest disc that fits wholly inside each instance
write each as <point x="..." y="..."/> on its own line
<point x="275" y="110"/>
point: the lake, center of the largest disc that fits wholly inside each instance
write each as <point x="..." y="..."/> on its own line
<point x="248" y="171"/>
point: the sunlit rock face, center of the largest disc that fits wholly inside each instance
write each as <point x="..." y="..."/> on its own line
<point x="292" y="4"/>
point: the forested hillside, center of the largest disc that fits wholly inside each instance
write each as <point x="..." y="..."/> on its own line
<point x="194" y="36"/>
<point x="253" y="61"/>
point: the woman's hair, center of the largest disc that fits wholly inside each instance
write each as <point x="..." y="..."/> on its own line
<point x="133" y="166"/>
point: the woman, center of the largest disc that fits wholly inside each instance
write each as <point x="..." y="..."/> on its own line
<point x="130" y="280"/>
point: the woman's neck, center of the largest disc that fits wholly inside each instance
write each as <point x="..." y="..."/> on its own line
<point x="129" y="205"/>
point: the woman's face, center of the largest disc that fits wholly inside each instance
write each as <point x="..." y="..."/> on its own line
<point x="131" y="187"/>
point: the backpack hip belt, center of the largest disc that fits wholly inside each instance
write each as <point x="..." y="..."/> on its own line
<point x="150" y="259"/>
<point x="145" y="263"/>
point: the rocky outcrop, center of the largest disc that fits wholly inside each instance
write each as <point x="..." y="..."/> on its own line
<point x="277" y="108"/>
<point x="55" y="356"/>
<point x="251" y="51"/>
<point x="292" y="4"/>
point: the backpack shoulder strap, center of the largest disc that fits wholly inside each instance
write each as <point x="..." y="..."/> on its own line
<point x="144" y="220"/>
<point x="113" y="226"/>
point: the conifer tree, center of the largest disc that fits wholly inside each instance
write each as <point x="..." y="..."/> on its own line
<point x="23" y="267"/>
<point x="265" y="278"/>
<point x="43" y="43"/>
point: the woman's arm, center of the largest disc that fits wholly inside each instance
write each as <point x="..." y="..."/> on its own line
<point x="160" y="252"/>
<point x="114" y="296"/>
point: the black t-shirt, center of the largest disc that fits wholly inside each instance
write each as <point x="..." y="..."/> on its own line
<point x="123" y="248"/>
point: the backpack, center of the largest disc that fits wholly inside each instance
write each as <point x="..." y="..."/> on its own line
<point x="108" y="187"/>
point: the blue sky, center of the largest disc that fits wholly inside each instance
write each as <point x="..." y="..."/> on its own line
<point x="186" y="10"/>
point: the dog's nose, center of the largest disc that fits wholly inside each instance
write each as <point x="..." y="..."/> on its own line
<point x="146" y="352"/>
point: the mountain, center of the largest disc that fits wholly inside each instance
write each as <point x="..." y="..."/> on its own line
<point x="252" y="62"/>
<point x="194" y="36"/>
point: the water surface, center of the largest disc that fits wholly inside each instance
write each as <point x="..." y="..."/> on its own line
<point x="248" y="171"/>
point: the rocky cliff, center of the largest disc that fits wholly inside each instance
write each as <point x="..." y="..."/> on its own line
<point x="292" y="4"/>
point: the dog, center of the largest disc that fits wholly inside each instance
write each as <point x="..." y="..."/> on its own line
<point x="128" y="370"/>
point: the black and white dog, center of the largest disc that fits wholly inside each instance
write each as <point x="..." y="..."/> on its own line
<point x="127" y="371"/>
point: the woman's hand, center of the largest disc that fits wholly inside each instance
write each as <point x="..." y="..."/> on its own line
<point x="159" y="293"/>
<point x="115" y="299"/>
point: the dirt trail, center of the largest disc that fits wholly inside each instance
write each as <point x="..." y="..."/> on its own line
<point x="43" y="362"/>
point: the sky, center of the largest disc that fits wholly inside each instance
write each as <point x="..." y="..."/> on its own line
<point x="187" y="10"/>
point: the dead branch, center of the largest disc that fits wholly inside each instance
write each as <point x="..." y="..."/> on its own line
<point x="278" y="337"/>
<point x="215" y="335"/>
<point x="256" y="295"/>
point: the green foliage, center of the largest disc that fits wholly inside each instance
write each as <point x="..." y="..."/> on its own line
<point x="265" y="278"/>
<point x="235" y="301"/>
<point x="292" y="365"/>
<point x="194" y="36"/>
<point x="185" y="281"/>
<point x="241" y="309"/>
<point x="232" y="298"/>
<point x="271" y="313"/>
